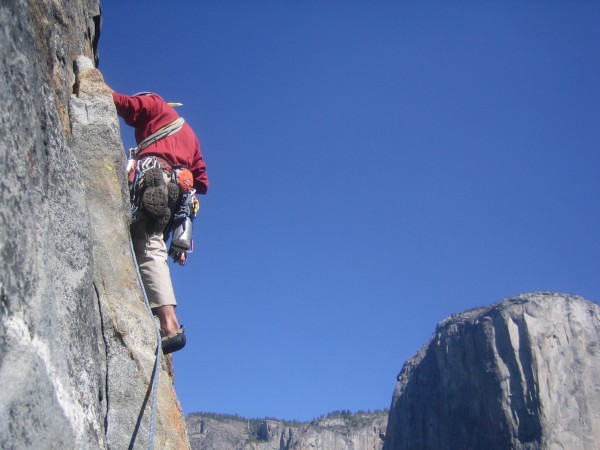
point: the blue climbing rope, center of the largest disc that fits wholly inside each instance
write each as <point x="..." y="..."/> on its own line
<point x="158" y="354"/>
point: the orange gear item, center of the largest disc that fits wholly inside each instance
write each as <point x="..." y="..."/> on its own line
<point x="185" y="179"/>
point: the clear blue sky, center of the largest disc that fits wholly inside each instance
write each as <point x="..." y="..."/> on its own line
<point x="375" y="166"/>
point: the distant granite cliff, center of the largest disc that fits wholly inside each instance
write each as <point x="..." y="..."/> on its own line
<point x="521" y="374"/>
<point x="77" y="343"/>
<point x="363" y="431"/>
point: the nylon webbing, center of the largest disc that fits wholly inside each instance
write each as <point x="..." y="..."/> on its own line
<point x="165" y="131"/>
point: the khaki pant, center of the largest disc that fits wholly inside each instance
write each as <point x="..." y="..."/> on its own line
<point x="151" y="254"/>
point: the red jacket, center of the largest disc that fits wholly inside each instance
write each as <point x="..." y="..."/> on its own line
<point x="148" y="113"/>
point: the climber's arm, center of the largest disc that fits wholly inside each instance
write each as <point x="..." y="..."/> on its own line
<point x="129" y="108"/>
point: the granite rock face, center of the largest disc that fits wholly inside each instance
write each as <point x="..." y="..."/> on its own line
<point x="521" y="374"/>
<point x="77" y="343"/>
<point x="350" y="432"/>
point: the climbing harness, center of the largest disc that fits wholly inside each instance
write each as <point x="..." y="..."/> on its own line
<point x="177" y="220"/>
<point x="157" y="361"/>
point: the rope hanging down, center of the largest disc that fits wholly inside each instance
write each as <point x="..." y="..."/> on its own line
<point x="158" y="354"/>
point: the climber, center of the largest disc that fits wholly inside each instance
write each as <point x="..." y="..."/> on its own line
<point x="167" y="170"/>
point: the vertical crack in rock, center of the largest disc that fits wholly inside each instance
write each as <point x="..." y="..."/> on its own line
<point x="97" y="20"/>
<point x="3" y="301"/>
<point x="103" y="393"/>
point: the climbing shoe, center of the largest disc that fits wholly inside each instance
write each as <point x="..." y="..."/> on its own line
<point x="155" y="201"/>
<point x="173" y="196"/>
<point x="154" y="177"/>
<point x="174" y="342"/>
<point x="155" y="196"/>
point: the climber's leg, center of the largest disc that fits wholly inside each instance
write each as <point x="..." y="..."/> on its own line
<point x="168" y="319"/>
<point x="151" y="255"/>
